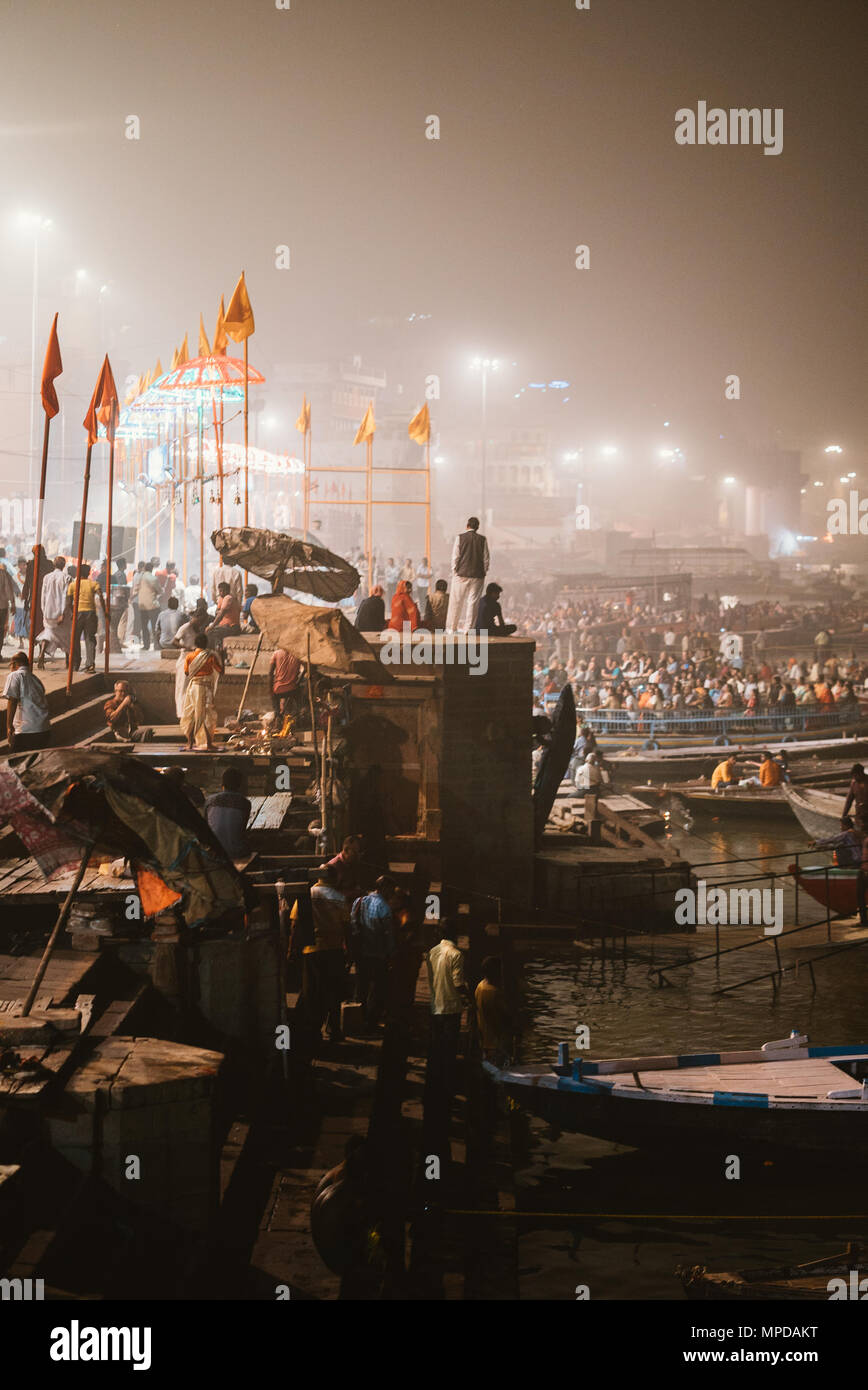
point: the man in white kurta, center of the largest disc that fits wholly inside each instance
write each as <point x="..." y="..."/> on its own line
<point x="470" y="561"/>
<point x="56" y="627"/>
<point x="227" y="574"/>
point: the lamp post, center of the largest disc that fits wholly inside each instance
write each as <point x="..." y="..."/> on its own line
<point x="484" y="365"/>
<point x="34" y="223"/>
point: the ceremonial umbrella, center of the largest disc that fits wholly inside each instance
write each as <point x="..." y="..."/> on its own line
<point x="287" y="560"/>
<point x="320" y="636"/>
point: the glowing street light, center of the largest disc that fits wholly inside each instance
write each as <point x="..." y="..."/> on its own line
<point x="833" y="449"/>
<point x="33" y="223"/>
<point x="484" y="365"/>
<point x="609" y="451"/>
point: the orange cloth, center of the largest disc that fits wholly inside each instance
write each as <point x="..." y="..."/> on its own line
<point x="404" y="610"/>
<point x="238" y="322"/>
<point x="420" y="426"/>
<point x="52" y="368"/>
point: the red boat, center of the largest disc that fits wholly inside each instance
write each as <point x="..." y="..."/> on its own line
<point x="830" y="885"/>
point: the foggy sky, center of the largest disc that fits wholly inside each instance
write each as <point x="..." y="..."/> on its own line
<point x="306" y="127"/>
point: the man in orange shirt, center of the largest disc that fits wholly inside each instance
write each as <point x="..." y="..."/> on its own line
<point x="227" y="620"/>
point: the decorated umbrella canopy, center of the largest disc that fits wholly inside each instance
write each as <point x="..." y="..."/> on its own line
<point x="64" y="802"/>
<point x="286" y="560"/>
<point x="215" y="373"/>
<point x="336" y="648"/>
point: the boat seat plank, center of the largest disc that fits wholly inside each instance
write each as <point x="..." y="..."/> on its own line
<point x="812" y="1077"/>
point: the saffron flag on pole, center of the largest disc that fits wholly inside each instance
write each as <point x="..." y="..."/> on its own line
<point x="302" y="424"/>
<point x="221" y="342"/>
<point x="419" y="427"/>
<point x="367" y="427"/>
<point x="50" y="371"/>
<point x="239" y="322"/>
<point x="183" y="353"/>
<point x="93" y="418"/>
<point x="107" y="403"/>
<point x="158" y="370"/>
<point x="174" y="361"/>
<point x="204" y="348"/>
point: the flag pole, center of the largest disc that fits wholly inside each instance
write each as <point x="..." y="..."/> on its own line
<point x="246" y="475"/>
<point x="108" y="552"/>
<point x="78" y="565"/>
<point x="35" y="595"/>
<point x="369" y="520"/>
<point x="199" y="442"/>
<point x="428" y="497"/>
<point x="184" y="484"/>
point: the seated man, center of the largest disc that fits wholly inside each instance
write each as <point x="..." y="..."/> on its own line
<point x="248" y="622"/>
<point x="227" y="620"/>
<point x="769" y="774"/>
<point x="121" y="712"/>
<point x="168" y="622"/>
<point x="847" y="845"/>
<point x="488" y="617"/>
<point x="723" y="775"/>
<point x="227" y="813"/>
<point x="27" y="721"/>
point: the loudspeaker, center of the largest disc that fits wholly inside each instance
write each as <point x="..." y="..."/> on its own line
<point x="124" y="543"/>
<point x="92" y="541"/>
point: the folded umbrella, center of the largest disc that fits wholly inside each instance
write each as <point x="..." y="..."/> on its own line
<point x="287" y="562"/>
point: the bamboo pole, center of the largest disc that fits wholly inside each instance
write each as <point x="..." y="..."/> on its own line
<point x="108" y="552"/>
<point x="369" y="520"/>
<point x="185" y="489"/>
<point x="199" y="440"/>
<point x="428" y="498"/>
<point x="79" y="563"/>
<point x="219" y="445"/>
<point x="250" y="673"/>
<point x="58" y="926"/>
<point x="246" y="474"/>
<point x="312" y="710"/>
<point x="35" y="595"/>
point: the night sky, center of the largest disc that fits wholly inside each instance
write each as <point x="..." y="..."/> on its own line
<point x="261" y="127"/>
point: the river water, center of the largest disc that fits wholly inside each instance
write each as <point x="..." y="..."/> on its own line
<point x="619" y="1220"/>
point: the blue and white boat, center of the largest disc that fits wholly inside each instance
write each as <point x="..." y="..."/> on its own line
<point x="783" y="1095"/>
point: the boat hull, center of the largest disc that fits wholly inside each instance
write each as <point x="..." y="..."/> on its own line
<point x="839" y="888"/>
<point x="818" y="812"/>
<point x="679" y="1129"/>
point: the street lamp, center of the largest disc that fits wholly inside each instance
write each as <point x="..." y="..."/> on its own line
<point x="33" y="223"/>
<point x="484" y="365"/>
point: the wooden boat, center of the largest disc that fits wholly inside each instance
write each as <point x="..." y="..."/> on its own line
<point x="687" y="761"/>
<point x="785" y="1095"/>
<point x="729" y="801"/>
<point x="818" y="812"/>
<point x="837" y="887"/>
<point x="811" y="1280"/>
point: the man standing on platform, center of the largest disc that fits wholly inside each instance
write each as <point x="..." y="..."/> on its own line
<point x="470" y="562"/>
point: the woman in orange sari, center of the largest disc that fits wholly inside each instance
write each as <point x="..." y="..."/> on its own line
<point x="202" y="669"/>
<point x="404" y="609"/>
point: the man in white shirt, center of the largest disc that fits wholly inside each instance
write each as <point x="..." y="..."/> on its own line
<point x="55" y="630"/>
<point x="227" y="574"/>
<point x="27" y="720"/>
<point x="448" y="998"/>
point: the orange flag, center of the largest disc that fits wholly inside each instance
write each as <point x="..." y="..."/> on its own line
<point x="239" y="316"/>
<point x="221" y="342"/>
<point x="52" y="369"/>
<point x="158" y="370"/>
<point x="367" y="427"/>
<point x="103" y="404"/>
<point x="183" y="353"/>
<point x="204" y="348"/>
<point x="174" y="360"/>
<point x="302" y="424"/>
<point x="419" y="427"/>
<point x="107" y="404"/>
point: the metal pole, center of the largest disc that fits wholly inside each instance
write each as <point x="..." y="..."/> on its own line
<point x="33" y="363"/>
<point x="484" y="432"/>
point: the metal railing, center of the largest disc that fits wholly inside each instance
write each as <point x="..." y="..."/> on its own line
<point x="641" y="723"/>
